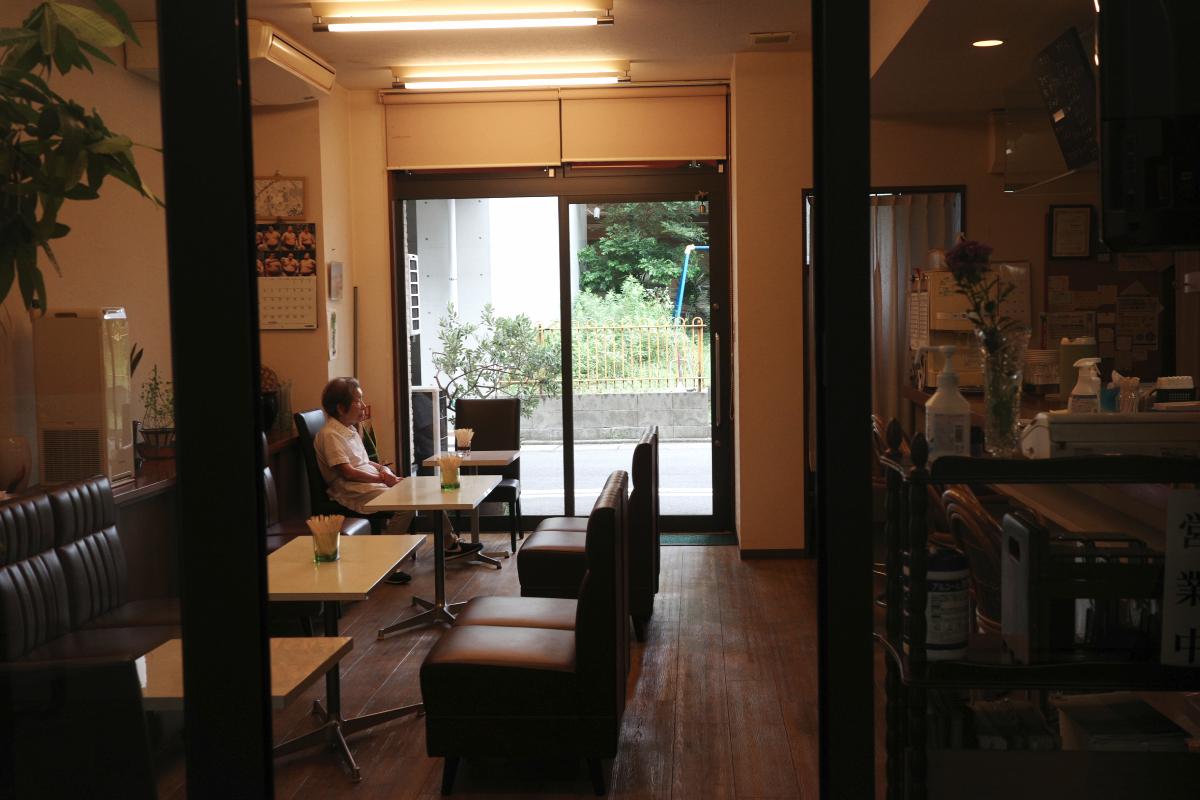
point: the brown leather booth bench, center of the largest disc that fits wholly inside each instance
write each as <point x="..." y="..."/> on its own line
<point x="563" y="687"/>
<point x="63" y="581"/>
<point x="551" y="562"/>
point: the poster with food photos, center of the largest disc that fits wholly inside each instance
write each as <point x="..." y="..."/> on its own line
<point x="286" y="266"/>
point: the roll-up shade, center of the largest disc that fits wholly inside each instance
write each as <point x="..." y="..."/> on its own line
<point x="470" y="130"/>
<point x="651" y="124"/>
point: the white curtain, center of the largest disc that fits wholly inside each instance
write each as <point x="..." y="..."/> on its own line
<point x="904" y="228"/>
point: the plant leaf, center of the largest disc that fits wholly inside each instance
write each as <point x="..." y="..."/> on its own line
<point x="89" y="26"/>
<point x="8" y="271"/>
<point x="29" y="277"/>
<point x="94" y="52"/>
<point x="111" y="145"/>
<point x="53" y="258"/>
<point x="13" y="35"/>
<point x="49" y="26"/>
<point x="119" y="16"/>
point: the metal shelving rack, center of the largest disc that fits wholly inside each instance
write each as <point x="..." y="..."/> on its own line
<point x="909" y="674"/>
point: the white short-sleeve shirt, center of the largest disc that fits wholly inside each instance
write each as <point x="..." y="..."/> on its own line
<point x="338" y="444"/>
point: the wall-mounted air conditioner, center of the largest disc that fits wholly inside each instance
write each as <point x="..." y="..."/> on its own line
<point x="281" y="71"/>
<point x="81" y="374"/>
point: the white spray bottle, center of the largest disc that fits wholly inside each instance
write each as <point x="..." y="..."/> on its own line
<point x="1085" y="397"/>
<point x="947" y="413"/>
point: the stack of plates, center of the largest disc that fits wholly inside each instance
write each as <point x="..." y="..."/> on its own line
<point x="1041" y="367"/>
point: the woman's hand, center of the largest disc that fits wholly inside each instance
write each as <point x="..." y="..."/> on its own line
<point x="386" y="476"/>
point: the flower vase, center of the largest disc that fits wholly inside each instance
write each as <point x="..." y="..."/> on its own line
<point x="1003" y="361"/>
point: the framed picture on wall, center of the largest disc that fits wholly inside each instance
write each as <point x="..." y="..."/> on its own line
<point x="278" y="197"/>
<point x="1070" y="231"/>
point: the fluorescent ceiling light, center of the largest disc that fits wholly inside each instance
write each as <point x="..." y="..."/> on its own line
<point x="988" y="43"/>
<point x="419" y="15"/>
<point x="508" y="76"/>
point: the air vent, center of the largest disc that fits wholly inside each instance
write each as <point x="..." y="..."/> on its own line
<point x="772" y="37"/>
<point x="71" y="455"/>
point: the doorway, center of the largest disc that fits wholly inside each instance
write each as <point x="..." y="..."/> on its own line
<point x="601" y="301"/>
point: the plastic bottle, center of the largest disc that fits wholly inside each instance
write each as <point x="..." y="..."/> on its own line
<point x="947" y="413"/>
<point x="1085" y="397"/>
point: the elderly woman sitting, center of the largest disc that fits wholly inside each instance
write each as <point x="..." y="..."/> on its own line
<point x="353" y="479"/>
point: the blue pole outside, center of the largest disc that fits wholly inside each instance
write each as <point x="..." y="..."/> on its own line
<point x="687" y="256"/>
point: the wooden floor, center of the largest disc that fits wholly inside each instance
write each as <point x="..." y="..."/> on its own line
<point x="722" y="700"/>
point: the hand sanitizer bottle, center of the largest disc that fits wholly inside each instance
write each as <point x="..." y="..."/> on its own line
<point x="947" y="413"/>
<point x="1085" y="397"/>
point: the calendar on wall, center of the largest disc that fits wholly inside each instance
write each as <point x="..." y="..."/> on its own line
<point x="287" y="303"/>
<point x="286" y="266"/>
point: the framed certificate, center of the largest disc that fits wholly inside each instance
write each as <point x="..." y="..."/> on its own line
<point x="1070" y="231"/>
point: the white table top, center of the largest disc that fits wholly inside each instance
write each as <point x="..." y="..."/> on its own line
<point x="295" y="663"/>
<point x="424" y="493"/>
<point x="480" y="458"/>
<point x="364" y="562"/>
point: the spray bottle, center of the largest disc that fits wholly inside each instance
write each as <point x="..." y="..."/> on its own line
<point x="947" y="413"/>
<point x="1085" y="397"/>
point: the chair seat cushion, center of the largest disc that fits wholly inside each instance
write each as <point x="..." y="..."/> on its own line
<point x="520" y="612"/>
<point x="474" y="656"/>
<point x="577" y="524"/>
<point x="104" y="643"/>
<point x="139" y="613"/>
<point x="506" y="491"/>
<point x="552" y="563"/>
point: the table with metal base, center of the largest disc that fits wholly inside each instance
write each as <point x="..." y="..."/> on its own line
<point x="472" y="460"/>
<point x="292" y="576"/>
<point x="424" y="493"/>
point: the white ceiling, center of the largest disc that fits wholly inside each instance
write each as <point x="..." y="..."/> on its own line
<point x="663" y="39"/>
<point x="934" y="68"/>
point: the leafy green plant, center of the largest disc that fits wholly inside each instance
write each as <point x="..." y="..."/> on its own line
<point x="497" y="356"/>
<point x="158" y="402"/>
<point x="51" y="148"/>
<point x="645" y="241"/>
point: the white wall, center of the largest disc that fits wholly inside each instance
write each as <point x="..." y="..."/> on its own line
<point x="116" y="253"/>
<point x="333" y="113"/>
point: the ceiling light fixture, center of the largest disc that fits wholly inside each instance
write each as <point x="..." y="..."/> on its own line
<point x="988" y="43"/>
<point x="422" y="15"/>
<point x="509" y="76"/>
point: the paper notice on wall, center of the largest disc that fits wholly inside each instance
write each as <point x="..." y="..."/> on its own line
<point x="1058" y="300"/>
<point x="1137" y="317"/>
<point x="1144" y="262"/>
<point x="1058" y="283"/>
<point x="1106" y="318"/>
<point x="1106" y="335"/>
<point x="1181" y="584"/>
<point x="1108" y="294"/>
<point x="1068" y="324"/>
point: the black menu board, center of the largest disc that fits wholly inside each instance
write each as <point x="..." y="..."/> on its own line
<point x="1067" y="85"/>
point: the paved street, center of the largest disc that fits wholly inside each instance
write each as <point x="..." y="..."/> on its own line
<point x="685" y="475"/>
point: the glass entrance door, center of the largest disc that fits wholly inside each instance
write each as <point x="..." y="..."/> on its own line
<point x="642" y="349"/>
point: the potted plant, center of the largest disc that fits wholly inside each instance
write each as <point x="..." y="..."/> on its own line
<point x="52" y="149"/>
<point x="158" y="418"/>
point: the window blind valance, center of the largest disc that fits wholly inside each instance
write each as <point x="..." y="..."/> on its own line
<point x="467" y="130"/>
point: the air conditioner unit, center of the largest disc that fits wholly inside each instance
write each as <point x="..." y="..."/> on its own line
<point x="81" y="375"/>
<point x="281" y="71"/>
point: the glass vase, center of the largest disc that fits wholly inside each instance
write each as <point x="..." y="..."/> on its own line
<point x="1003" y="362"/>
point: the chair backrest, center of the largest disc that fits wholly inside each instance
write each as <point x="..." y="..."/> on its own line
<point x="308" y="425"/>
<point x="269" y="488"/>
<point x="74" y="729"/>
<point x="601" y="617"/>
<point x="497" y="425"/>
<point x="979" y="536"/>
<point x="85" y="535"/>
<point x="34" y="603"/>
<point x="643" y="514"/>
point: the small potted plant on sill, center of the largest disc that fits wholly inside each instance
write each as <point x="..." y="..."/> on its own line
<point x="158" y="418"/>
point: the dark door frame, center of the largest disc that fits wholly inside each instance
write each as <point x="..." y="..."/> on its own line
<point x="615" y="185"/>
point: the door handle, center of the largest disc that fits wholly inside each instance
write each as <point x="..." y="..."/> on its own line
<point x="717" y="378"/>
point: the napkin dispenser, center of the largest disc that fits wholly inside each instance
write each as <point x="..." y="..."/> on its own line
<point x="1074" y="594"/>
<point x="1059" y="433"/>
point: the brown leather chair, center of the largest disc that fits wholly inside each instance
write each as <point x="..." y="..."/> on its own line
<point x="308" y="425"/>
<point x="551" y="562"/>
<point x="564" y="689"/>
<point x="497" y="425"/>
